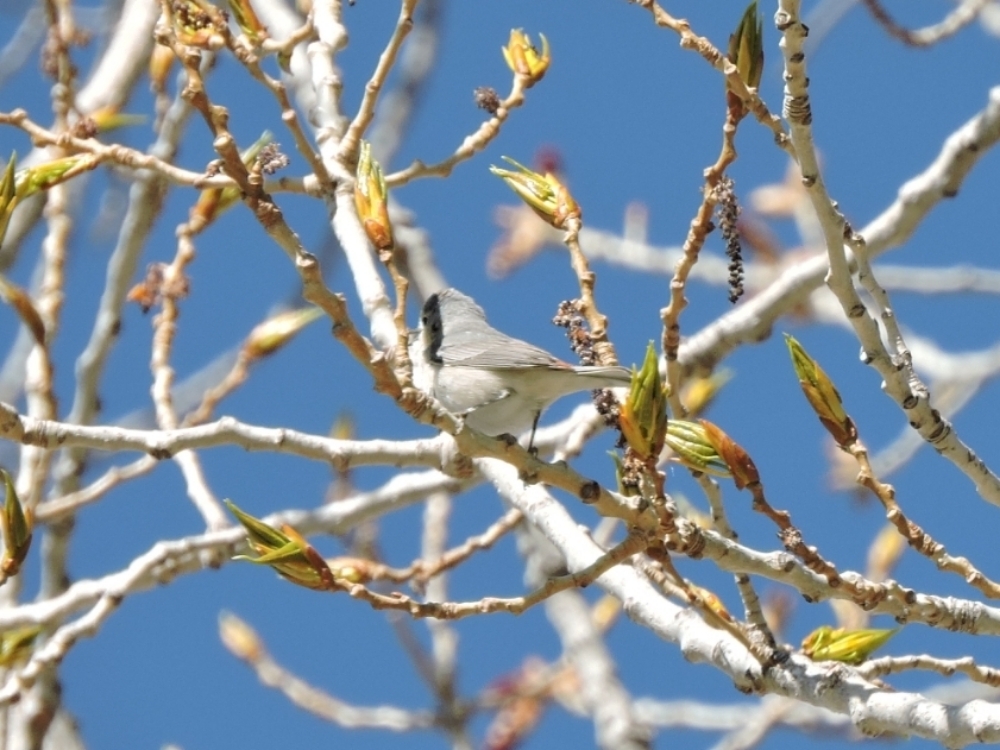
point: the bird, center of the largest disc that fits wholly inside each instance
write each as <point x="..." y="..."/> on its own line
<point x="499" y="384"/>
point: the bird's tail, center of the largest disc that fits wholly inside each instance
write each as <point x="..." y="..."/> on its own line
<point x="606" y="376"/>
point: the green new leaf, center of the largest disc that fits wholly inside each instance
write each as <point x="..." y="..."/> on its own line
<point x="746" y="46"/>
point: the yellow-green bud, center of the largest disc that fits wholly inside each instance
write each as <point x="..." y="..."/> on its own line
<point x="8" y="194"/>
<point x="109" y="118"/>
<point x="51" y="173"/>
<point x="746" y="46"/>
<point x="524" y="59"/>
<point x="241" y="640"/>
<point x="285" y="550"/>
<point x="269" y="336"/>
<point x="16" y="645"/>
<point x="690" y="443"/>
<point x="822" y="395"/>
<point x="371" y="197"/>
<point x="544" y="194"/>
<point x="246" y="19"/>
<point x="699" y="392"/>
<point x="643" y="418"/>
<point x="17" y="526"/>
<point x="885" y="551"/>
<point x="847" y="646"/>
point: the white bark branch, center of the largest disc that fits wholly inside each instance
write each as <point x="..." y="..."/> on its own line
<point x="873" y="709"/>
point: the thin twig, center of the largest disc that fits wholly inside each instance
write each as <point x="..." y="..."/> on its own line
<point x="631" y="545"/>
<point x="701" y="225"/>
<point x="422" y="570"/>
<point x="748" y="593"/>
<point x="123" y="156"/>
<point x="597" y="322"/>
<point x="355" y="131"/>
<point x="472" y="144"/>
<point x="247" y="646"/>
<point x="145" y="202"/>
<point x="947" y="667"/>
<point x="915" y="536"/>
<point x="966" y="12"/>
<point x="715" y="58"/>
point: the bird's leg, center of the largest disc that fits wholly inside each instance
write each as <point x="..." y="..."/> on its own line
<point x="531" y="441"/>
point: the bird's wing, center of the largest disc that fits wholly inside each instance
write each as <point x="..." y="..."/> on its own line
<point x="493" y="350"/>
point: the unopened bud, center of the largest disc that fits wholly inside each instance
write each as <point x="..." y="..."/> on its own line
<point x="269" y="336"/>
<point x="239" y="638"/>
<point x="643" y="418"/>
<point x="344" y="426"/>
<point x="822" y="395"/>
<point x="604" y="613"/>
<point x="161" y="60"/>
<point x="285" y="550"/>
<point x="22" y="303"/>
<point x="17" y="644"/>
<point x="352" y="569"/>
<point x="700" y="392"/>
<point x="109" y="118"/>
<point x="246" y="18"/>
<point x="746" y="46"/>
<point x="711" y="601"/>
<point x="741" y="466"/>
<point x="17" y="526"/>
<point x="8" y="194"/>
<point x="885" y="551"/>
<point x="371" y="197"/>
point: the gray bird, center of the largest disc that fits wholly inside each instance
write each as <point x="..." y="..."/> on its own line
<point x="498" y="383"/>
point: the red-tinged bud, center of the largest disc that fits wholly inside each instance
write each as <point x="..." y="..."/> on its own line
<point x="371" y="197"/>
<point x="285" y="550"/>
<point x="741" y="466"/>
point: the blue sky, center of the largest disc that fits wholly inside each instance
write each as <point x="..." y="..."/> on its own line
<point x="635" y="118"/>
